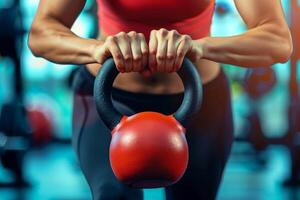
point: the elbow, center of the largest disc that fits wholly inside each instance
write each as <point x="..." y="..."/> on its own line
<point x="33" y="47"/>
<point x="283" y="53"/>
<point x="33" y="41"/>
<point x="283" y="49"/>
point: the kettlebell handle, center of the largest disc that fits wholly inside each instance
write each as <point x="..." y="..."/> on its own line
<point x="111" y="117"/>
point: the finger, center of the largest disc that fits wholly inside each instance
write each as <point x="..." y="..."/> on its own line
<point x="171" y="50"/>
<point x="125" y="47"/>
<point x="116" y="53"/>
<point x="182" y="49"/>
<point x="162" y="50"/>
<point x="152" y="51"/>
<point x="136" y="51"/>
<point x="144" y="50"/>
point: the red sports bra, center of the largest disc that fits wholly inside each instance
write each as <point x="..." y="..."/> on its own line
<point x="145" y="15"/>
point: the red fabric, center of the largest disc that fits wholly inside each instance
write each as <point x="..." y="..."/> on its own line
<point x="145" y="15"/>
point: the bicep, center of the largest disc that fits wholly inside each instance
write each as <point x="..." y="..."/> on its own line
<point x="64" y="11"/>
<point x="259" y="12"/>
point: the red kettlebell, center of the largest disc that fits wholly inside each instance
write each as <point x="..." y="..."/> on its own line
<point x="148" y="149"/>
<point x="41" y="126"/>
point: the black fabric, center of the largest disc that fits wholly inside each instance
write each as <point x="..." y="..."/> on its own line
<point x="209" y="138"/>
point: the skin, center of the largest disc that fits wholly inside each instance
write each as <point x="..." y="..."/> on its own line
<point x="152" y="64"/>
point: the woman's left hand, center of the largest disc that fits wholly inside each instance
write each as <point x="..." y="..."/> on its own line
<point x="167" y="49"/>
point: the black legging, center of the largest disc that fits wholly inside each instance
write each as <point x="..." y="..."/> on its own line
<point x="209" y="138"/>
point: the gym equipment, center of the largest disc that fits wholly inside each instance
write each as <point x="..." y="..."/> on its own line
<point x="16" y="143"/>
<point x="256" y="135"/>
<point x="11" y="20"/>
<point x="148" y="149"/>
<point x="14" y="128"/>
<point x="12" y="152"/>
<point x="222" y="8"/>
<point x="15" y="140"/>
<point x="259" y="81"/>
<point x="13" y="120"/>
<point x="294" y="106"/>
<point x="41" y="127"/>
<point x="291" y="139"/>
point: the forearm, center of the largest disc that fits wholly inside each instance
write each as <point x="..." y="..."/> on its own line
<point x="57" y="43"/>
<point x="261" y="46"/>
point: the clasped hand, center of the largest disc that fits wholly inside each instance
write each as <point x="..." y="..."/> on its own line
<point x="164" y="52"/>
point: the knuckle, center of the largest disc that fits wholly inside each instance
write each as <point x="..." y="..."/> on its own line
<point x="163" y="32"/>
<point x="110" y="39"/>
<point x="127" y="57"/>
<point x="137" y="58"/>
<point x="154" y="31"/>
<point x="186" y="38"/>
<point x="145" y="52"/>
<point x="132" y="34"/>
<point x="170" y="56"/>
<point x="173" y="33"/>
<point x="160" y="57"/>
<point x="140" y="35"/>
<point x="122" y="34"/>
<point x="152" y="51"/>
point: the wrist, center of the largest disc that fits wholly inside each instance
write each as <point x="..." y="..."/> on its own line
<point x="196" y="51"/>
<point x="94" y="50"/>
<point x="200" y="45"/>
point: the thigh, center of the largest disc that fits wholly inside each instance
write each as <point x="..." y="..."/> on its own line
<point x="204" y="172"/>
<point x="209" y="138"/>
<point x="91" y="141"/>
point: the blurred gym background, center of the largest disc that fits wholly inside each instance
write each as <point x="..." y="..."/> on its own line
<point x="37" y="161"/>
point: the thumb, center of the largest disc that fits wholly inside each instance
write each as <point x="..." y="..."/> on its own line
<point x="194" y="54"/>
<point x="101" y="54"/>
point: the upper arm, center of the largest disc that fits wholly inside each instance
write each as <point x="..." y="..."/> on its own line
<point x="266" y="19"/>
<point x="259" y="12"/>
<point x="64" y="11"/>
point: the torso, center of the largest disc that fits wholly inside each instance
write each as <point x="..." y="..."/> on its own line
<point x="160" y="83"/>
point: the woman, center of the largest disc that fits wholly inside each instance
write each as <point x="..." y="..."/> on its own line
<point x="150" y="38"/>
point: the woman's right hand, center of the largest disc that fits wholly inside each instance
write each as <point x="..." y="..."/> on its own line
<point x="129" y="51"/>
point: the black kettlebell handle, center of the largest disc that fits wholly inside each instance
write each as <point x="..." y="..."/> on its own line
<point x="111" y="117"/>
